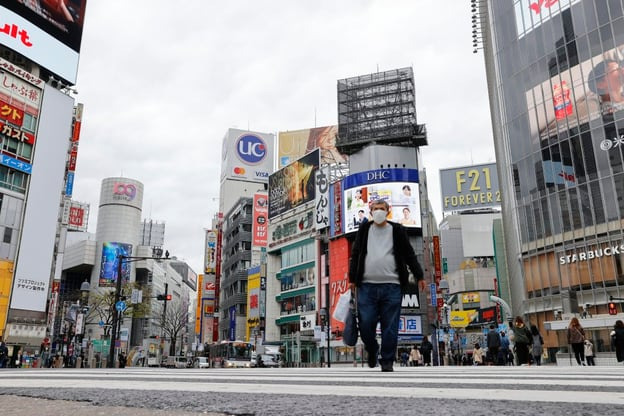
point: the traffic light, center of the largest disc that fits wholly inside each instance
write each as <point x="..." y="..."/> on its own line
<point x="612" y="308"/>
<point x="164" y="297"/>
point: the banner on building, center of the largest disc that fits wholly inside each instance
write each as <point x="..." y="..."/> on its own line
<point x="260" y="226"/>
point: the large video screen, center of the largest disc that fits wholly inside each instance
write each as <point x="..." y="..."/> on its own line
<point x="62" y="19"/>
<point x="293" y="185"/>
<point x="401" y="196"/>
<point x="110" y="263"/>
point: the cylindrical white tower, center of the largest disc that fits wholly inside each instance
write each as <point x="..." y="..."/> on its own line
<point x="119" y="221"/>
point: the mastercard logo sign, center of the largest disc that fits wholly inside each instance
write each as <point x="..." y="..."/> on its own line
<point x="239" y="171"/>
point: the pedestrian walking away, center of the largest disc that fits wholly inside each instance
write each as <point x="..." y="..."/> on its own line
<point x="617" y="339"/>
<point x="589" y="352"/>
<point x="493" y="345"/>
<point x="504" y="352"/>
<point x="425" y="350"/>
<point x="537" y="348"/>
<point x="522" y="339"/>
<point x="576" y="338"/>
<point x="378" y="270"/>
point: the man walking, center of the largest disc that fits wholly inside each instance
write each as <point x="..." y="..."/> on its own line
<point x="380" y="257"/>
<point x="493" y="345"/>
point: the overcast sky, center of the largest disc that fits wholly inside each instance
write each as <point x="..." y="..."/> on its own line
<point x="162" y="82"/>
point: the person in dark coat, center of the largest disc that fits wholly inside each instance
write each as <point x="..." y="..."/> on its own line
<point x="617" y="336"/>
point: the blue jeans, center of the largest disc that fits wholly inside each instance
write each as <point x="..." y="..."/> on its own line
<point x="380" y="303"/>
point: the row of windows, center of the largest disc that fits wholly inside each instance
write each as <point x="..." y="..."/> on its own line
<point x="17" y="148"/>
<point x="12" y="179"/>
<point x="297" y="255"/>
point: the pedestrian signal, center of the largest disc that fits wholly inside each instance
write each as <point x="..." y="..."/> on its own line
<point x="612" y="308"/>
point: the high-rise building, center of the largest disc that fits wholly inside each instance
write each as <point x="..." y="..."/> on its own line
<point x="556" y="95"/>
<point x="40" y="125"/>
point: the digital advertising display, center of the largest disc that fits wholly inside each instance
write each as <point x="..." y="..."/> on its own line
<point x="48" y="32"/>
<point x="294" y="144"/>
<point x="293" y="185"/>
<point x="398" y="187"/>
<point x="573" y="97"/>
<point x="110" y="263"/>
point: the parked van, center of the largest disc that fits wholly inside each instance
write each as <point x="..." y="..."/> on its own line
<point x="176" y="361"/>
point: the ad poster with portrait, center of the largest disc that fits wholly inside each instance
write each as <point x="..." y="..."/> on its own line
<point x="401" y="196"/>
<point x="294" y="144"/>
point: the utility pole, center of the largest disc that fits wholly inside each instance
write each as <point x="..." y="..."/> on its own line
<point x="111" y="349"/>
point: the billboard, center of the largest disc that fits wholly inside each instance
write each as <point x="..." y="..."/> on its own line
<point x="294" y="144"/>
<point x="253" y="299"/>
<point x="110" y="263"/>
<point x="210" y="260"/>
<point x="293" y="185"/>
<point x="469" y="187"/>
<point x="571" y="98"/>
<point x="398" y="187"/>
<point x="48" y="32"/>
<point x="321" y="199"/>
<point x="260" y="225"/>
<point x="247" y="156"/>
<point x="75" y="215"/>
<point x="36" y="247"/>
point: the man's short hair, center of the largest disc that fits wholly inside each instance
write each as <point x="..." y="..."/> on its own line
<point x="380" y="202"/>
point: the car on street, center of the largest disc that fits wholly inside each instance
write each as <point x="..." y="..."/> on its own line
<point x="266" y="360"/>
<point x="201" y="362"/>
<point x="176" y="361"/>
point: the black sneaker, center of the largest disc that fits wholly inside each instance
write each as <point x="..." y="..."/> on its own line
<point x="386" y="368"/>
<point x="372" y="360"/>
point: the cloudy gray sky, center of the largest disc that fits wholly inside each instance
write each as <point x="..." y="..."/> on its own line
<point x="162" y="81"/>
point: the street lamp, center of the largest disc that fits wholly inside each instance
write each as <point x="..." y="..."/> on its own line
<point x="115" y="327"/>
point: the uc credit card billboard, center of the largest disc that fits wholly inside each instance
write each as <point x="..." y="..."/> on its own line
<point x="247" y="155"/>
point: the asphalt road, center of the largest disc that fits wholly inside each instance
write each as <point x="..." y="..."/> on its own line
<point x="546" y="390"/>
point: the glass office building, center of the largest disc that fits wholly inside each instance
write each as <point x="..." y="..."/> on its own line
<point x="556" y="81"/>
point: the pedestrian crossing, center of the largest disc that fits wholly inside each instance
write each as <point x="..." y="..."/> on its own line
<point x="604" y="385"/>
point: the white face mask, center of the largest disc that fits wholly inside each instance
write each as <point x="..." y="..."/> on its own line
<point x="379" y="216"/>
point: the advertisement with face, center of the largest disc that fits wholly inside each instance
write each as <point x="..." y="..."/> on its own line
<point x="293" y="185"/>
<point x="401" y="196"/>
<point x="592" y="89"/>
<point x="294" y="144"/>
<point x="110" y="263"/>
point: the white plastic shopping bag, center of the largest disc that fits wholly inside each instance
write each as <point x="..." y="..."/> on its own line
<point x="342" y="306"/>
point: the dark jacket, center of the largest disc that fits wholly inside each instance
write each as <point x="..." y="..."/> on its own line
<point x="404" y="255"/>
<point x="493" y="339"/>
<point x="618" y="342"/>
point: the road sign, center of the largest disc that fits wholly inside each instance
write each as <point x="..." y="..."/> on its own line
<point x="101" y="323"/>
<point x="120" y="306"/>
<point x="432" y="289"/>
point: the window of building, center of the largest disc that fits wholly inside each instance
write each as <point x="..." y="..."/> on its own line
<point x="24" y="150"/>
<point x="8" y="233"/>
<point x="29" y="123"/>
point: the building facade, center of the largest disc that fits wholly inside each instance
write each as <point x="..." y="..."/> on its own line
<point x="555" y="87"/>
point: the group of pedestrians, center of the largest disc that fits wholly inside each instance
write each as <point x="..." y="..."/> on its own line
<point x="417" y="356"/>
<point x="583" y="348"/>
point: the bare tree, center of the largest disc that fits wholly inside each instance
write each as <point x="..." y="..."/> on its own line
<point x="102" y="302"/>
<point x="173" y="323"/>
